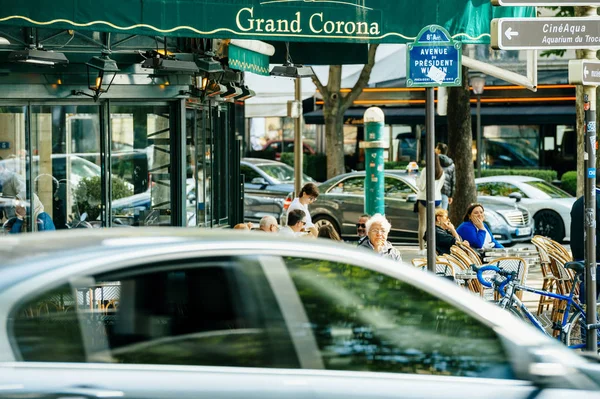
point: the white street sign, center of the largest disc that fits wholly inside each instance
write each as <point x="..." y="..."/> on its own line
<point x="584" y="72"/>
<point x="545" y="33"/>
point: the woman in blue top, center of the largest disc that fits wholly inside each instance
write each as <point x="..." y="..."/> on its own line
<point x="473" y="230"/>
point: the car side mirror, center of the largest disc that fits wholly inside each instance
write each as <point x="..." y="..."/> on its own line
<point x="411" y="198"/>
<point x="259" y="180"/>
<point x="516" y="196"/>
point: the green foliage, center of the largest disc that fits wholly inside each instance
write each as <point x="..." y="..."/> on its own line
<point x="569" y="182"/>
<point x="314" y="165"/>
<point x="544" y="174"/>
<point x="88" y="194"/>
<point x="395" y="165"/>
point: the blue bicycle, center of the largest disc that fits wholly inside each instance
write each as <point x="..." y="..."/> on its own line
<point x="573" y="328"/>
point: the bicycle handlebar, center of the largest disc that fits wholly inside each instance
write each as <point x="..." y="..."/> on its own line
<point x="508" y="274"/>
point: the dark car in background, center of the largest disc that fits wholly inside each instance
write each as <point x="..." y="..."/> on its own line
<point x="288" y="145"/>
<point x="341" y="203"/>
<point x="266" y="185"/>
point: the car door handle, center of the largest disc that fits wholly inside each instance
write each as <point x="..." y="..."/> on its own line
<point x="88" y="392"/>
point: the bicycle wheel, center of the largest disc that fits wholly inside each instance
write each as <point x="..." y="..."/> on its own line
<point x="575" y="336"/>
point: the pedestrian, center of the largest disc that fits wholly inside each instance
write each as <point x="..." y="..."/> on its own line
<point x="327" y="231"/>
<point x="422" y="198"/>
<point x="448" y="165"/>
<point x="308" y="195"/>
<point x="296" y="221"/>
<point x="445" y="234"/>
<point x="269" y="224"/>
<point x="474" y="231"/>
<point x="361" y="227"/>
<point x="378" y="228"/>
<point x="12" y="184"/>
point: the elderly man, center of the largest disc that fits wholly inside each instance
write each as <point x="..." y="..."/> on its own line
<point x="378" y="228"/>
<point x="296" y="220"/>
<point x="268" y="224"/>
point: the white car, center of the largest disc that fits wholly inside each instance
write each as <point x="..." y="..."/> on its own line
<point x="549" y="205"/>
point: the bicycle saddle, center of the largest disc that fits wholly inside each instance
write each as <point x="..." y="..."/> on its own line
<point x="577" y="267"/>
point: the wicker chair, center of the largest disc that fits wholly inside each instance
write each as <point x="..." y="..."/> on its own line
<point x="549" y="281"/>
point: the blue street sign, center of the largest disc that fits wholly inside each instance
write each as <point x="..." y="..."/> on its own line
<point x="4" y="145"/>
<point x="434" y="59"/>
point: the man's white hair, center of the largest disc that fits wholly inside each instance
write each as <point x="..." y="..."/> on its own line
<point x="267" y="221"/>
<point x="378" y="218"/>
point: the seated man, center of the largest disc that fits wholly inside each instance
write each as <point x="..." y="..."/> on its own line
<point x="269" y="224"/>
<point x="296" y="220"/>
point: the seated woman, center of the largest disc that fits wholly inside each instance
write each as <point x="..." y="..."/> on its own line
<point x="445" y="234"/>
<point x="474" y="231"/>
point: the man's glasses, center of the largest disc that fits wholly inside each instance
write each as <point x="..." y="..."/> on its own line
<point x="361" y="225"/>
<point x="303" y="222"/>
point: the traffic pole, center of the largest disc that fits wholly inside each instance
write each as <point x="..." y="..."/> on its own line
<point x="298" y="145"/>
<point x="430" y="178"/>
<point x="374" y="162"/>
<point x="589" y="195"/>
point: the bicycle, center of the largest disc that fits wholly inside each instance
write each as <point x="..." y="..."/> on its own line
<point x="573" y="328"/>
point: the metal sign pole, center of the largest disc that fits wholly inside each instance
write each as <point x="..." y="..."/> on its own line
<point x="430" y="179"/>
<point x="589" y="195"/>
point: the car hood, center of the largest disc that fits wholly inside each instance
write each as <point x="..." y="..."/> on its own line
<point x="496" y="204"/>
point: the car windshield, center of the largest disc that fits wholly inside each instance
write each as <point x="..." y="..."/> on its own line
<point x="281" y="173"/>
<point x="548" y="190"/>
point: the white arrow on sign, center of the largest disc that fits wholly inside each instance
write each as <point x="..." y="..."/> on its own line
<point x="585" y="72"/>
<point x="509" y="33"/>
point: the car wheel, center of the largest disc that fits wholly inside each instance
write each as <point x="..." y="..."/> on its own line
<point x="549" y="224"/>
<point x="326" y="221"/>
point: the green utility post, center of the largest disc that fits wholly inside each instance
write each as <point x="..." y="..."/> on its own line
<point x="374" y="146"/>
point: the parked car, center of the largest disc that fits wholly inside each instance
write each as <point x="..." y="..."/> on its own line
<point x="341" y="202"/>
<point x="163" y="313"/>
<point x="266" y="185"/>
<point x="549" y="205"/>
<point x="287" y="145"/>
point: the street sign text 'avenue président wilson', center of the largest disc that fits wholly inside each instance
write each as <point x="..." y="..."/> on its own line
<point x="433" y="59"/>
<point x="545" y="33"/>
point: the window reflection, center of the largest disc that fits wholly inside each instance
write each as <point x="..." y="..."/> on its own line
<point x="367" y="321"/>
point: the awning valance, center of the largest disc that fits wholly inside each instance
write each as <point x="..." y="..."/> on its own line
<point x="350" y="21"/>
<point x="243" y="59"/>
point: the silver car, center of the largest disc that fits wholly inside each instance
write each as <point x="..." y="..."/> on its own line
<point x="183" y="313"/>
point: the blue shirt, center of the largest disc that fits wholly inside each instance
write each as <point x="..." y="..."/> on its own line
<point x="475" y="237"/>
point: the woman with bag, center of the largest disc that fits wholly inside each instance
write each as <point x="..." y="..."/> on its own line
<point x="422" y="198"/>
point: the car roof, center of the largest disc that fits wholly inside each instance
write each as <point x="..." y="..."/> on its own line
<point x="507" y="178"/>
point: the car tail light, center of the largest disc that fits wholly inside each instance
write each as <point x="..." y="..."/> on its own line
<point x="287" y="202"/>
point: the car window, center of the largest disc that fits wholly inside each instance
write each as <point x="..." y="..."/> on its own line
<point x="397" y="189"/>
<point x="249" y="173"/>
<point x="352" y="185"/>
<point x="548" y="190"/>
<point x="498" y="189"/>
<point x="367" y="321"/>
<point x="218" y="312"/>
<point x="282" y="173"/>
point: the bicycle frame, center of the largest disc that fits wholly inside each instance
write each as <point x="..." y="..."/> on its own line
<point x="510" y="298"/>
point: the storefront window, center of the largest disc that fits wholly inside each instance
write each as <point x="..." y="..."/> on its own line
<point x="140" y="156"/>
<point x="12" y="166"/>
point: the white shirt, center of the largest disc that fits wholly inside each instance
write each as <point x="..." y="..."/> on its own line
<point x="422" y="184"/>
<point x="288" y="232"/>
<point x="297" y="205"/>
<point x="487" y="242"/>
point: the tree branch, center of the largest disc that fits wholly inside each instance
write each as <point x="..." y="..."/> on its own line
<point x="321" y="87"/>
<point x="363" y="79"/>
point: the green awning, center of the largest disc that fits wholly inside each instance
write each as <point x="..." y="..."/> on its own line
<point x="349" y="21"/>
<point x="248" y="60"/>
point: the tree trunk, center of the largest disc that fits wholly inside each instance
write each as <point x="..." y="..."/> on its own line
<point x="334" y="134"/>
<point x="460" y="142"/>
